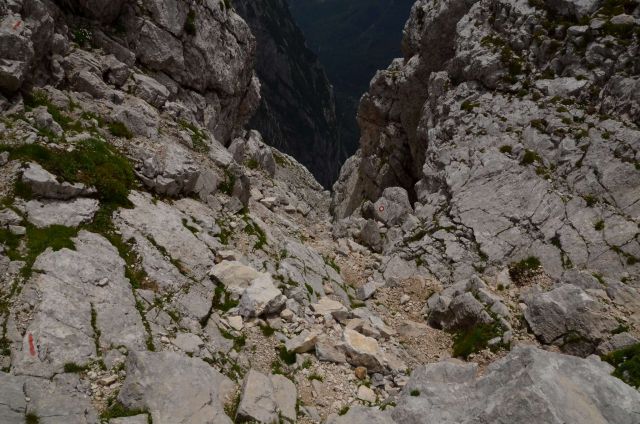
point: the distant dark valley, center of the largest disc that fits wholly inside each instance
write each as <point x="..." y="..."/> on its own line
<point x="353" y="39"/>
<point x="314" y="60"/>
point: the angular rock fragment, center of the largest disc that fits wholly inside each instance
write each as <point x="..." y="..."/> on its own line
<point x="175" y="388"/>
<point x="44" y="184"/>
<point x="570" y="318"/>
<point x="266" y="398"/>
<point x="262" y="297"/>
<point x="363" y="351"/>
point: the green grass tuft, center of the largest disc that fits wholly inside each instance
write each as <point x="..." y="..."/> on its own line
<point x="118" y="129"/>
<point x="190" y="23"/>
<point x="627" y="364"/>
<point x="92" y="162"/>
<point x="222" y="300"/>
<point x="530" y="157"/>
<point x="524" y="269"/>
<point x="117" y="410"/>
<point x="474" y="339"/>
<point x="506" y="149"/>
<point x="31" y="418"/>
<point x="72" y="367"/>
<point x="287" y="357"/>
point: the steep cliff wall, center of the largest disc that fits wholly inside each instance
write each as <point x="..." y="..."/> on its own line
<point x="353" y="40"/>
<point x="297" y="112"/>
<point x="516" y="124"/>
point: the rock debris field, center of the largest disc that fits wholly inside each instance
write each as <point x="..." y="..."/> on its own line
<point x="478" y="260"/>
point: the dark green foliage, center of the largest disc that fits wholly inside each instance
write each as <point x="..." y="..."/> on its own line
<point x="309" y="288"/>
<point x="238" y="341"/>
<point x="506" y="149"/>
<point x="10" y="242"/>
<point x="253" y="229"/>
<point x="82" y="37"/>
<point x="474" y="339"/>
<point x="198" y="137"/>
<point x="287" y="357"/>
<point x="96" y="331"/>
<point x="591" y="200"/>
<point x="332" y="263"/>
<point x="530" y="157"/>
<point x="622" y="328"/>
<point x="189" y="227"/>
<point x="55" y="237"/>
<point x="40" y="98"/>
<point x="225" y="232"/>
<point x="627" y="364"/>
<point x="231" y="408"/>
<point x="251" y="164"/>
<point x="229" y="182"/>
<point x="119" y="129"/>
<point x="190" y="23"/>
<point x="267" y="330"/>
<point x="617" y="7"/>
<point x="222" y="300"/>
<point x="117" y="410"/>
<point x="539" y="124"/>
<point x="92" y="162"/>
<point x="72" y="367"/>
<point x="343" y="410"/>
<point x="468" y="106"/>
<point x="524" y="269"/>
<point x="31" y="418"/>
<point x="415" y="392"/>
<point x="315" y="376"/>
<point x="599" y="226"/>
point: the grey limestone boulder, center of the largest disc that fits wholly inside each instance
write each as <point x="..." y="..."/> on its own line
<point x="261" y="297"/>
<point x="175" y="388"/>
<point x="569" y="317"/>
<point x="528" y="385"/>
<point x="267" y="398"/>
<point x="45" y="184"/>
<point x="252" y="152"/>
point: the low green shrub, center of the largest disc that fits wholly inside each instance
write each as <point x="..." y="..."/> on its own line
<point x="524" y="269"/>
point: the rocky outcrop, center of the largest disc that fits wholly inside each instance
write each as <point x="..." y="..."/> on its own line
<point x="527" y="384"/>
<point x="297" y="113"/>
<point x="508" y="139"/>
<point x="169" y="39"/>
<point x="153" y="269"/>
<point x="174" y="388"/>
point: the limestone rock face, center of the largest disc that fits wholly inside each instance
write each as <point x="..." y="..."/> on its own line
<point x="479" y="122"/>
<point x="265" y="398"/>
<point x="362" y="350"/>
<point x="82" y="291"/>
<point x="569" y="317"/>
<point x="170" y="38"/>
<point x="175" y="388"/>
<point x="44" y="184"/>
<point x="490" y="187"/>
<point x="69" y="214"/>
<point x="527" y="384"/>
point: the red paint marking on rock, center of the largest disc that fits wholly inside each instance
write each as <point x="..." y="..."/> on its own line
<point x="32" y="346"/>
<point x="17" y="25"/>
<point x="381" y="208"/>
